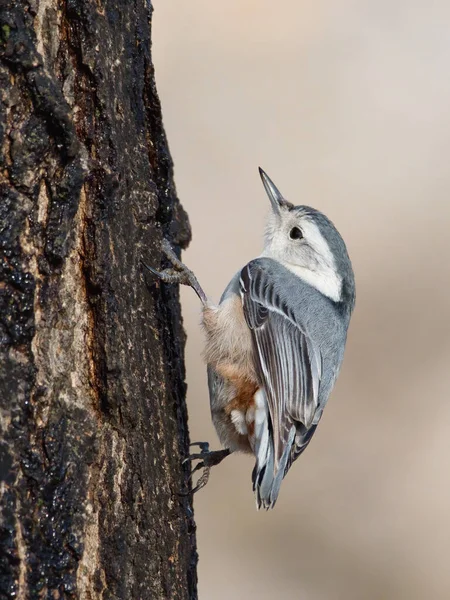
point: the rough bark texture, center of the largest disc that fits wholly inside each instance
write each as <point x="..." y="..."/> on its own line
<point x="92" y="411"/>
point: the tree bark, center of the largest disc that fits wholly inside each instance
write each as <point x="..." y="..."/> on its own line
<point x="93" y="422"/>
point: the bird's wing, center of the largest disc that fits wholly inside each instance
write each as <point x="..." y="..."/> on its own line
<point x="288" y="363"/>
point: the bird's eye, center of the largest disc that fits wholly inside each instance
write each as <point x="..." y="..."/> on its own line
<point x="295" y="233"/>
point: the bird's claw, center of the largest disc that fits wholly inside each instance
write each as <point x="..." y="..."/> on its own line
<point x="207" y="459"/>
<point x="170" y="253"/>
<point x="179" y="273"/>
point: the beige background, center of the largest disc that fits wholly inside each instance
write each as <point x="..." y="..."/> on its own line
<point x="346" y="104"/>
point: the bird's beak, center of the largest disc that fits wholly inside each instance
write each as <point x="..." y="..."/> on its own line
<point x="275" y="197"/>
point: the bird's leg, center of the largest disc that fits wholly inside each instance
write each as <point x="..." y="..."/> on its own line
<point x="208" y="458"/>
<point x="179" y="274"/>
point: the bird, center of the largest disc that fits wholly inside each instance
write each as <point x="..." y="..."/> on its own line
<point x="275" y="342"/>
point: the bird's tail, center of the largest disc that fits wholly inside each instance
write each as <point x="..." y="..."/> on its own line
<point x="267" y="476"/>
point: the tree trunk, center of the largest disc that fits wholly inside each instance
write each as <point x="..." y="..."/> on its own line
<point x="93" y="418"/>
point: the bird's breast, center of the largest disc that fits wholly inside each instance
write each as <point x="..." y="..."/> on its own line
<point x="229" y="352"/>
<point x="228" y="338"/>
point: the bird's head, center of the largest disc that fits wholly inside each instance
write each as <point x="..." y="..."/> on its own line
<point x="307" y="243"/>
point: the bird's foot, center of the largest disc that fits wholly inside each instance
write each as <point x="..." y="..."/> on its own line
<point x="207" y="458"/>
<point x="179" y="274"/>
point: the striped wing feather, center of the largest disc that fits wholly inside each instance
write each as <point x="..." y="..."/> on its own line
<point x="287" y="362"/>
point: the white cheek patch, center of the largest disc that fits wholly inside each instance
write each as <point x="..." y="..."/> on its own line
<point x="320" y="273"/>
<point x="312" y="235"/>
<point x="322" y="276"/>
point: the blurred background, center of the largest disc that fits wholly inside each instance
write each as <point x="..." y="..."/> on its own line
<point x="346" y="105"/>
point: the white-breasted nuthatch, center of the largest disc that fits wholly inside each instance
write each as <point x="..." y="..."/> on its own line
<point x="275" y="342"/>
